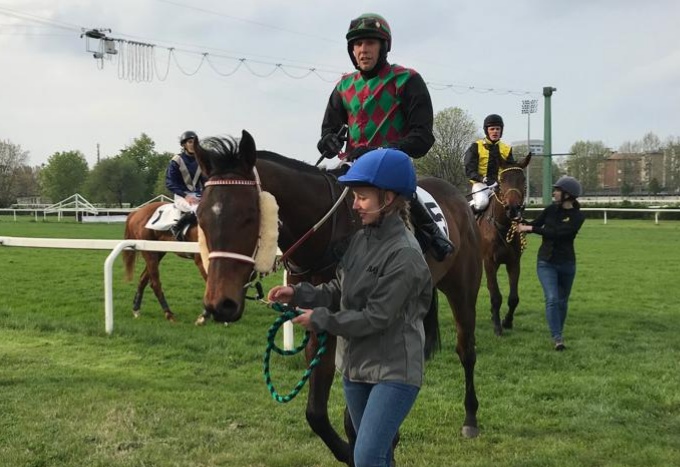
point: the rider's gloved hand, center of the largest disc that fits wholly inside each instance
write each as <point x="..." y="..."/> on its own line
<point x="329" y="145"/>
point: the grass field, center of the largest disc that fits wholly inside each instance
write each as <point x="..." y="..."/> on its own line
<point x="161" y="394"/>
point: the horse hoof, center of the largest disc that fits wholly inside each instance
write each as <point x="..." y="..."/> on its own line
<point x="507" y="324"/>
<point x="470" y="431"/>
<point x="498" y="331"/>
<point x="200" y="321"/>
<point x="135" y="313"/>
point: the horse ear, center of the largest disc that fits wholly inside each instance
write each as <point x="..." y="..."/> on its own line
<point x="203" y="159"/>
<point x="246" y="148"/>
<point x="524" y="162"/>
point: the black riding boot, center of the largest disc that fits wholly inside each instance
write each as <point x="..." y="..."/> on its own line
<point x="186" y="219"/>
<point x="440" y="245"/>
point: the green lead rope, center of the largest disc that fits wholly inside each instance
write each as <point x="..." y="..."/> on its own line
<point x="288" y="313"/>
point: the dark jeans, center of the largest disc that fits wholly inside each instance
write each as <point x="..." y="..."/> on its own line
<point x="377" y="412"/>
<point x="556" y="279"/>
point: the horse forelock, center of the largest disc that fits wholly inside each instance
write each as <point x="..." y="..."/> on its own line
<point x="222" y="151"/>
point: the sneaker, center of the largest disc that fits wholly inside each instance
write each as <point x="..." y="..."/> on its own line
<point x="559" y="345"/>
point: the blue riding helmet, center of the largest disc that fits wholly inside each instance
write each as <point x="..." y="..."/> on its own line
<point x="386" y="168"/>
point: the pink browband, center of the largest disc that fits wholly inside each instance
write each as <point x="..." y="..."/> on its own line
<point x="232" y="182"/>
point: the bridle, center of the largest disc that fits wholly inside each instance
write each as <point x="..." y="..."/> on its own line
<point x="217" y="254"/>
<point x="500" y="195"/>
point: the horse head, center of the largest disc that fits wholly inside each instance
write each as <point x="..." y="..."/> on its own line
<point x="229" y="217"/>
<point x="512" y="187"/>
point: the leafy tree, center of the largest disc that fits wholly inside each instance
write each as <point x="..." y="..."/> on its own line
<point x="12" y="159"/>
<point x="149" y="162"/>
<point x="454" y="131"/>
<point x="63" y="175"/>
<point x="586" y="162"/>
<point x="115" y="181"/>
<point x="159" y="187"/>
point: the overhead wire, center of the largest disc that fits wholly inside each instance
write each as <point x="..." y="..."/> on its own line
<point x="137" y="60"/>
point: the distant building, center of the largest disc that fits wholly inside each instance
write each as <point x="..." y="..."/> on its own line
<point x="634" y="170"/>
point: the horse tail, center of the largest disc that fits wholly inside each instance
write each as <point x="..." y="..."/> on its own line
<point x="431" y="325"/>
<point x="129" y="256"/>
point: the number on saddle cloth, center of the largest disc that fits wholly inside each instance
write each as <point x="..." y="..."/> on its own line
<point x="164" y="217"/>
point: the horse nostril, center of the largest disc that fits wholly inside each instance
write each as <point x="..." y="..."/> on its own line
<point x="227" y="311"/>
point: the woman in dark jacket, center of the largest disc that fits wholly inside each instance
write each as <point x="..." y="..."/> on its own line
<point x="558" y="224"/>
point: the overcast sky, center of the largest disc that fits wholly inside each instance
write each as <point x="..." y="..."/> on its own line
<point x="615" y="64"/>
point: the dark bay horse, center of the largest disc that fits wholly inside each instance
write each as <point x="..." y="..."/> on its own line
<point x="501" y="244"/>
<point x="229" y="217"/>
<point x="135" y="230"/>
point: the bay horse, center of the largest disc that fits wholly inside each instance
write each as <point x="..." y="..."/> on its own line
<point x="501" y="244"/>
<point x="135" y="230"/>
<point x="229" y="218"/>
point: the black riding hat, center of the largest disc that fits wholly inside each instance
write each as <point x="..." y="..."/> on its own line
<point x="187" y="135"/>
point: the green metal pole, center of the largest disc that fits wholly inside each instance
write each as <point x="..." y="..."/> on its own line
<point x="547" y="147"/>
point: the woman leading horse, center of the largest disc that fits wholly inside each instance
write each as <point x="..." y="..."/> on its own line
<point x="229" y="216"/>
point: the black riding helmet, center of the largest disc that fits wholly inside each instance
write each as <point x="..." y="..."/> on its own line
<point x="493" y="120"/>
<point x="373" y="26"/>
<point x="569" y="185"/>
<point x="187" y="135"/>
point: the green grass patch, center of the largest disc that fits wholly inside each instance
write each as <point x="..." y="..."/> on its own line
<point x="162" y="394"/>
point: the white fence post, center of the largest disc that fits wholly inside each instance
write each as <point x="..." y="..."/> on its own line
<point x="288" y="335"/>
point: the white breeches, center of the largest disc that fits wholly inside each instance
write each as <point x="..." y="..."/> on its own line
<point x="183" y="205"/>
<point x="480" y="199"/>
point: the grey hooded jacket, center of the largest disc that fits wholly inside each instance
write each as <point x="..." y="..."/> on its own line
<point x="376" y="304"/>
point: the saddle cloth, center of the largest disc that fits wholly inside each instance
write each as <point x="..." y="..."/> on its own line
<point x="435" y="211"/>
<point x="164" y="217"/>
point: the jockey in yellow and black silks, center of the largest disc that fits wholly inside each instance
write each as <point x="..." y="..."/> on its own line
<point x="383" y="105"/>
<point x="482" y="160"/>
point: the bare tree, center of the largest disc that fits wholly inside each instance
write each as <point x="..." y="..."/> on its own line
<point x="454" y="132"/>
<point x="12" y="158"/>
<point x="585" y="163"/>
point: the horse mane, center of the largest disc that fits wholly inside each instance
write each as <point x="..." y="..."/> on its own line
<point x="287" y="162"/>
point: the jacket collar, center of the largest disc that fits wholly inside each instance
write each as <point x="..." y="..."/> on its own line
<point x="390" y="225"/>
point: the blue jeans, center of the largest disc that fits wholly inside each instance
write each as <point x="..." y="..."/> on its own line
<point x="556" y="279"/>
<point x="377" y="412"/>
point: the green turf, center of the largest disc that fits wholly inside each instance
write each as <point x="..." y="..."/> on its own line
<point x="162" y="394"/>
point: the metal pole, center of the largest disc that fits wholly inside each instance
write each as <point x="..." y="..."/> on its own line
<point x="547" y="147"/>
<point x="528" y="151"/>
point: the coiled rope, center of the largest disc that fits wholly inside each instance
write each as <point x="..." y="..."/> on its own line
<point x="522" y="236"/>
<point x="288" y="313"/>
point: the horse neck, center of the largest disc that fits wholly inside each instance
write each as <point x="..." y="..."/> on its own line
<point x="303" y="197"/>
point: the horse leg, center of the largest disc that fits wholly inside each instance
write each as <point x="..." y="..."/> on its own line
<point x="495" y="296"/>
<point x="351" y="434"/>
<point x="137" y="302"/>
<point x="513" y="269"/>
<point x="463" y="301"/>
<point x="152" y="261"/>
<point x="320" y="383"/>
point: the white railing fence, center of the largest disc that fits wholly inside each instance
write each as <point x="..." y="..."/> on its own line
<point x="116" y="247"/>
<point x="654" y="211"/>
